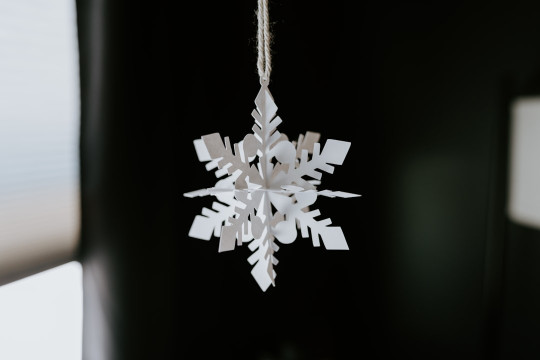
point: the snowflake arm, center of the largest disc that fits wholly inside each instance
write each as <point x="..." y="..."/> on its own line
<point x="242" y="221"/>
<point x="334" y="153"/>
<point x="239" y="161"/>
<point x="293" y="209"/>
<point x="211" y="221"/>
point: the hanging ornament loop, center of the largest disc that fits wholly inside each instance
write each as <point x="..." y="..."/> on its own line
<point x="263" y="42"/>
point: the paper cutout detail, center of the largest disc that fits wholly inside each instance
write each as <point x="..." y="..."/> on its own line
<point x="270" y="185"/>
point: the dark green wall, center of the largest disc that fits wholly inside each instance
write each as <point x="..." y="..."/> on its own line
<point x="420" y="88"/>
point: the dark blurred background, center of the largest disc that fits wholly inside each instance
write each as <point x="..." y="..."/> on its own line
<point x="421" y="89"/>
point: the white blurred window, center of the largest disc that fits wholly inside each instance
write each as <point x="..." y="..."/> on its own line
<point x="41" y="315"/>
<point x="39" y="177"/>
<point x="524" y="179"/>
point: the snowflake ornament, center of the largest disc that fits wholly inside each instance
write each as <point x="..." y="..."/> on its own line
<point x="266" y="189"/>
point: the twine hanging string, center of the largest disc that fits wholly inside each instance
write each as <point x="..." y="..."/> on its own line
<point x="263" y="41"/>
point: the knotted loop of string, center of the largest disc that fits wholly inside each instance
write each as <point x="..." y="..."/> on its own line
<point x="263" y="41"/>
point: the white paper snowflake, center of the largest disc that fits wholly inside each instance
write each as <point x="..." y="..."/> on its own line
<point x="270" y="186"/>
